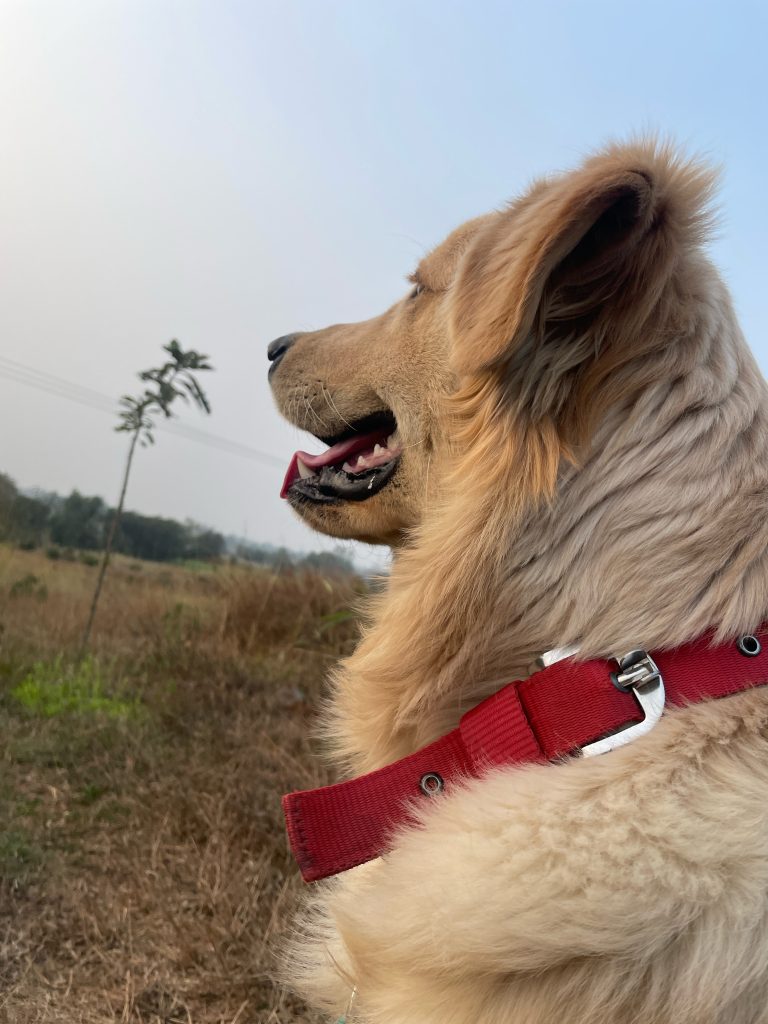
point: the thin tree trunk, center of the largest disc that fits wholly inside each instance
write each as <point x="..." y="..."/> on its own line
<point x="108" y="546"/>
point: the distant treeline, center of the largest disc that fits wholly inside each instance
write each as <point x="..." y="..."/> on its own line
<point x="46" y="519"/>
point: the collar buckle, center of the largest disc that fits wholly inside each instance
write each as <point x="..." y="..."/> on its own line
<point x="636" y="670"/>
<point x="639" y="675"/>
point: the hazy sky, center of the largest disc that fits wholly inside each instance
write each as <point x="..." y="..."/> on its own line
<point x="224" y="172"/>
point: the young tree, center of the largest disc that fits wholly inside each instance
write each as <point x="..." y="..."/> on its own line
<point x="174" y="379"/>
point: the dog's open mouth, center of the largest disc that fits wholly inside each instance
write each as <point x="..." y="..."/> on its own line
<point x="356" y="466"/>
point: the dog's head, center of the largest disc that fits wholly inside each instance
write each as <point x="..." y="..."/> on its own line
<point x="545" y="309"/>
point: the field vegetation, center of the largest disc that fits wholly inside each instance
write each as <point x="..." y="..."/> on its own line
<point x="144" y="873"/>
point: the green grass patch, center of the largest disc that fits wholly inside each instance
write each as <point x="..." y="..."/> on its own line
<point x="19" y="854"/>
<point x="91" y="793"/>
<point x="55" y="688"/>
<point x="197" y="565"/>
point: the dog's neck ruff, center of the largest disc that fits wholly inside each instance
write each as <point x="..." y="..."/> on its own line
<point x="568" y="708"/>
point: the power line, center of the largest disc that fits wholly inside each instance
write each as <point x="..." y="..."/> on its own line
<point x="59" y="387"/>
<point x="59" y="383"/>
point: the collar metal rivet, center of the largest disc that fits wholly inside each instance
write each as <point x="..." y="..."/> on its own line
<point x="749" y="645"/>
<point x="431" y="784"/>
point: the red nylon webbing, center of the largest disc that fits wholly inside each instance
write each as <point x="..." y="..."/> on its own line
<point x="336" y="827"/>
<point x="553" y="713"/>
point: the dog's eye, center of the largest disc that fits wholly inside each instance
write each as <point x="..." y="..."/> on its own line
<point x="417" y="290"/>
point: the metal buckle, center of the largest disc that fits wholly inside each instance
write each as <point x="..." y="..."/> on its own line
<point x="639" y="675"/>
<point x="552" y="657"/>
<point x="636" y="669"/>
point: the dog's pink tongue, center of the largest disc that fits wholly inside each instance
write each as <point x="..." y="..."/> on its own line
<point x="338" y="453"/>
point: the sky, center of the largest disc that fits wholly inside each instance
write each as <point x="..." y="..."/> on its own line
<point x="224" y="172"/>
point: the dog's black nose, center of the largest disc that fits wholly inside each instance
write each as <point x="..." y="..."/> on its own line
<point x="277" y="349"/>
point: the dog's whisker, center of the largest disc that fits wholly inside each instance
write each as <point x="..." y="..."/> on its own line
<point x="329" y="399"/>
<point x="314" y="413"/>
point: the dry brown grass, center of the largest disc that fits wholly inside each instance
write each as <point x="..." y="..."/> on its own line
<point x="144" y="874"/>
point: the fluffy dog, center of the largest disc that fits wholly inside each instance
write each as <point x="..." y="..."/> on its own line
<point x="565" y="442"/>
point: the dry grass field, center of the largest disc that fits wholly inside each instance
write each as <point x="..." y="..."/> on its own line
<point x="144" y="874"/>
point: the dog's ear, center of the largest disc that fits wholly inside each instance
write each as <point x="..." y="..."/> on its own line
<point x="578" y="267"/>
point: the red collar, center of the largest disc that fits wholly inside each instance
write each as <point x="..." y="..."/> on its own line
<point x="569" y="707"/>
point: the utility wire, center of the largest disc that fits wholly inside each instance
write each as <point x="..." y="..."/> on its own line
<point x="59" y="387"/>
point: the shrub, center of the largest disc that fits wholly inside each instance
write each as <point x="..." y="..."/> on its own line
<point x="28" y="586"/>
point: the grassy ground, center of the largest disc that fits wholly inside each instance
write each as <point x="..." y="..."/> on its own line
<point x="144" y="874"/>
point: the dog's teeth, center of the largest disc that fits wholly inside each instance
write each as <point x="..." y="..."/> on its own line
<point x="378" y="450"/>
<point x="304" y="471"/>
<point x="347" y="468"/>
<point x="362" y="463"/>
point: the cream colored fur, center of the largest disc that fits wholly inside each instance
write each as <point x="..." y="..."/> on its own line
<point x="598" y="473"/>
